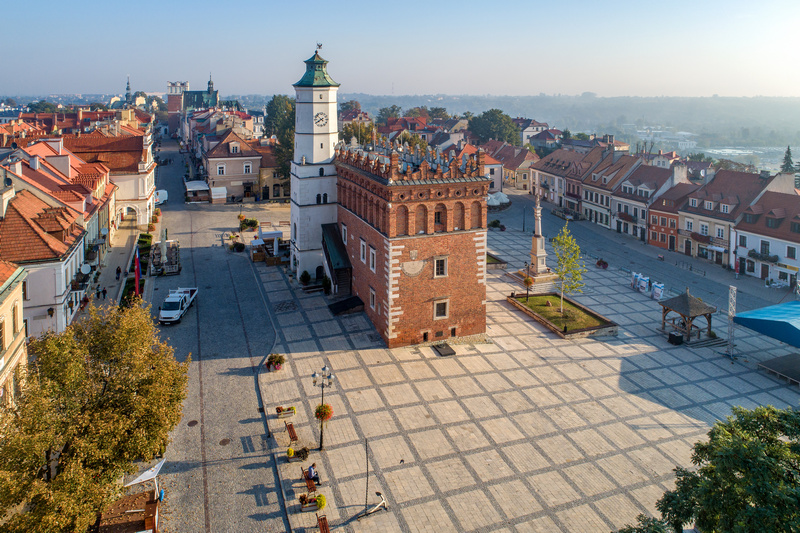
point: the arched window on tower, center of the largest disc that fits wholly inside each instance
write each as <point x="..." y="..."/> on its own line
<point x="319" y="199"/>
<point x="325" y="198"/>
<point x="321" y="170"/>
<point x="401" y="224"/>
<point x="458" y="216"/>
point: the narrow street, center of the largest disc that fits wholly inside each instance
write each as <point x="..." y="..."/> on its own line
<point x="219" y="475"/>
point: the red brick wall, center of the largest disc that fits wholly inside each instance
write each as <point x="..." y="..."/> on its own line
<point x="464" y="286"/>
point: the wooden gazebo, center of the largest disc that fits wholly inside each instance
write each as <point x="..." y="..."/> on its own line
<point x="689" y="308"/>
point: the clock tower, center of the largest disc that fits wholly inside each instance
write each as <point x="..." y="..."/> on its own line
<point x="313" y="174"/>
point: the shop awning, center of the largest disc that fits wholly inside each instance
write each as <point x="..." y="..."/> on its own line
<point x="781" y="322"/>
<point x="715" y="248"/>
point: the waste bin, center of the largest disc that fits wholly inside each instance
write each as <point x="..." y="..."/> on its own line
<point x="676" y="338"/>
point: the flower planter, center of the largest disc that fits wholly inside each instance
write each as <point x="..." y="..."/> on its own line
<point x="287" y="413"/>
<point x="294" y="459"/>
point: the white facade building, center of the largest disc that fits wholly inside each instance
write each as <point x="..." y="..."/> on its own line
<point x="313" y="174"/>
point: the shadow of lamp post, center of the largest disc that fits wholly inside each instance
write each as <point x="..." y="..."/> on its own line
<point x="527" y="281"/>
<point x="323" y="380"/>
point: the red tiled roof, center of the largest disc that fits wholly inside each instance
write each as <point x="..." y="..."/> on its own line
<point x="736" y="189"/>
<point x="7" y="270"/>
<point x="118" y="154"/>
<point x="222" y="150"/>
<point x="784" y="207"/>
<point x="24" y="230"/>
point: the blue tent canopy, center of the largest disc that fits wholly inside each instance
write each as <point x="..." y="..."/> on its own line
<point x="781" y="322"/>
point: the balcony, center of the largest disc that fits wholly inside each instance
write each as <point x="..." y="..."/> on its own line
<point x="763" y="257"/>
<point x="705" y="239"/>
<point x="573" y="195"/>
<point x="627" y="217"/>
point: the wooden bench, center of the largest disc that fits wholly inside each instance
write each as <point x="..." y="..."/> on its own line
<point x="292" y="433"/>
<point x="322" y="524"/>
<point x="310" y="485"/>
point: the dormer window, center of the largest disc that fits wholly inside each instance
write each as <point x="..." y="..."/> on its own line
<point x="795" y="227"/>
<point x="750" y="218"/>
<point x="709" y="205"/>
<point x="234" y="148"/>
<point x="724" y="208"/>
<point x="693" y="202"/>
<point x="773" y="222"/>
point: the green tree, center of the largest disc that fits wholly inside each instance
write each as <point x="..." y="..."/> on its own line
<point x="566" y="134"/>
<point x="98" y="397"/>
<point x="98" y="106"/>
<point x="10" y="102"/>
<point x="413" y="140"/>
<point x="646" y="524"/>
<point x="350" y="105"/>
<point x="747" y="477"/>
<point x="159" y="102"/>
<point x="581" y="136"/>
<point x="361" y="131"/>
<point x="438" y="112"/>
<point x="468" y="115"/>
<point x="42" y="106"/>
<point x="494" y="124"/>
<point x="385" y="113"/>
<point x="419" y="111"/>
<point x="788" y="164"/>
<point x="280" y="122"/>
<point x="569" y="267"/>
<point x="700" y="156"/>
<point x="137" y="94"/>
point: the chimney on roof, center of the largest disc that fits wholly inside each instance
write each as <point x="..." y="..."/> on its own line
<point x="34" y="162"/>
<point x="764" y="174"/>
<point x="6" y="193"/>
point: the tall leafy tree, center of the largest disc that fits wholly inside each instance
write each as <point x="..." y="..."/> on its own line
<point x="98" y="106"/>
<point x="438" y="112"/>
<point x="385" y="113"/>
<point x="788" y="164"/>
<point x="700" y="156"/>
<point x="350" y="105"/>
<point x="43" y="106"/>
<point x="566" y="134"/>
<point x="413" y="140"/>
<point x="280" y="122"/>
<point x="361" y="131"/>
<point x="494" y="124"/>
<point x="569" y="267"/>
<point x="98" y="397"/>
<point x="419" y="111"/>
<point x="10" y="102"/>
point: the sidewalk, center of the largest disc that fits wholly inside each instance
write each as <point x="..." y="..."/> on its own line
<point x="118" y="256"/>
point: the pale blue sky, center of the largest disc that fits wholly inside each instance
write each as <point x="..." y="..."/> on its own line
<point x="612" y="48"/>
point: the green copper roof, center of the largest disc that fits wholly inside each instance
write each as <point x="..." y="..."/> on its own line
<point x="316" y="74"/>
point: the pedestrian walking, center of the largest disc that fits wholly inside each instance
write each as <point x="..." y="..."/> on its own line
<point x="119" y="271"/>
<point x="97" y="296"/>
<point x="104" y="293"/>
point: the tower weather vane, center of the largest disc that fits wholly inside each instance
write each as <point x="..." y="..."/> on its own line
<point x="319" y="46"/>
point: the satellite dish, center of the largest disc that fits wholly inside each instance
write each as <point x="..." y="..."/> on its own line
<point x="104" y="231"/>
<point x="85" y="268"/>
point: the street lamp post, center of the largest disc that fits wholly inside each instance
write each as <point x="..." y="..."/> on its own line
<point x="323" y="380"/>
<point x="527" y="275"/>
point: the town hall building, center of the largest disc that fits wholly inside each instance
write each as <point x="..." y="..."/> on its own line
<point x="402" y="230"/>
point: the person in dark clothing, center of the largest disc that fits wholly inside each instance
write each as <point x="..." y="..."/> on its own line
<point x="104" y="293"/>
<point x="312" y="474"/>
<point x="119" y="272"/>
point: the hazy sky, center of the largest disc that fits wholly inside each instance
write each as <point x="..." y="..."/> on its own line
<point x="612" y="48"/>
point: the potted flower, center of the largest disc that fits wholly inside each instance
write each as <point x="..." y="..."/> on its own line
<point x="302" y="453"/>
<point x="321" y="502"/>
<point x="241" y="217"/>
<point x="323" y="412"/>
<point x="292" y="456"/>
<point x="285" y="412"/>
<point x="274" y="361"/>
<point x="307" y="503"/>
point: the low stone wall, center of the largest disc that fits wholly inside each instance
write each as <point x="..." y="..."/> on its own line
<point x="604" y="330"/>
<point x="500" y="265"/>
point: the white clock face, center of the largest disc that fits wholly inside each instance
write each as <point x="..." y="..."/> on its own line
<point x="320" y="119"/>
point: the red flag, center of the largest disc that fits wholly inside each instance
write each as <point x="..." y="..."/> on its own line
<point x="137" y="272"/>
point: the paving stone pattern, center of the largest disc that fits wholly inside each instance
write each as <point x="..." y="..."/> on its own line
<point x="527" y="432"/>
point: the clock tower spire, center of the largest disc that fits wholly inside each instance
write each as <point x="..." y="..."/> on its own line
<point x="313" y="174"/>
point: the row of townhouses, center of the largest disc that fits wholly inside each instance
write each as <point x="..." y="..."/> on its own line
<point x="744" y="221"/>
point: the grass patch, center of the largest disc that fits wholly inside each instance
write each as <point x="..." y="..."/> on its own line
<point x="573" y="317"/>
<point x="492" y="260"/>
<point x="127" y="292"/>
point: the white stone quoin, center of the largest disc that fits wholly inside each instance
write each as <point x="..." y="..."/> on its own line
<point x="313" y="174"/>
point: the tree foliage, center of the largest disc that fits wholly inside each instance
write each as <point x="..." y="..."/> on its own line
<point x="419" y="111"/>
<point x="280" y="122"/>
<point x="438" y="112"/>
<point x="159" y="102"/>
<point x="385" y="113"/>
<point x="98" y="106"/>
<point x="413" y="140"/>
<point x="360" y="130"/>
<point x="350" y="105"/>
<point x="788" y="164"/>
<point x="10" y="102"/>
<point x="494" y="124"/>
<point x="701" y="157"/>
<point x="98" y="397"/>
<point x="727" y="164"/>
<point x="646" y="524"/>
<point x="43" y="106"/>
<point x="581" y="136"/>
<point x="566" y="134"/>
<point x="137" y="94"/>
<point x="569" y="267"/>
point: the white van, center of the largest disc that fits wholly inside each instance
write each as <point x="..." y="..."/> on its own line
<point x="161" y="197"/>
